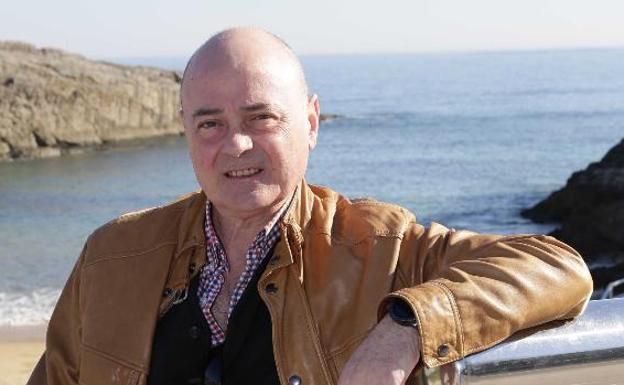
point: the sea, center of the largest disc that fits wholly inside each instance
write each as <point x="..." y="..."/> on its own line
<point x="463" y="139"/>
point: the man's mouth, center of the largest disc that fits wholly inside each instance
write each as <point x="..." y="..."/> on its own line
<point x="247" y="172"/>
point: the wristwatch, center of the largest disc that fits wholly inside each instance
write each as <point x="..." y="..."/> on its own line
<point x="401" y="313"/>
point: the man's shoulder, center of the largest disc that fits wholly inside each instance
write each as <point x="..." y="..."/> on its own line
<point x="146" y="229"/>
<point x="359" y="218"/>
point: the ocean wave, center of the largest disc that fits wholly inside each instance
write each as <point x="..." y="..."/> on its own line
<point x="35" y="308"/>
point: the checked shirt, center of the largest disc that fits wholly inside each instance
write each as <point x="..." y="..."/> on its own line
<point x="212" y="276"/>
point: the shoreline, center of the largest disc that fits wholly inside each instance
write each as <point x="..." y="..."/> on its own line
<point x="54" y="152"/>
<point x="20" y="349"/>
<point x="22" y="333"/>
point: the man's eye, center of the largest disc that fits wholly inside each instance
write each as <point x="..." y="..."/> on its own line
<point x="209" y="124"/>
<point x="263" y="117"/>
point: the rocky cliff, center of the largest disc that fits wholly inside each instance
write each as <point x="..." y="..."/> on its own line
<point x="590" y="209"/>
<point x="52" y="101"/>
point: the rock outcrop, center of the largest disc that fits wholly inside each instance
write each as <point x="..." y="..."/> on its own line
<point x="52" y="102"/>
<point x="590" y="209"/>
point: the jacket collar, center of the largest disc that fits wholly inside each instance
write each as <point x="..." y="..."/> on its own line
<point x="191" y="229"/>
<point x="299" y="213"/>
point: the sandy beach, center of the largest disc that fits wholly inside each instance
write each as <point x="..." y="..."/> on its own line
<point x="20" y="349"/>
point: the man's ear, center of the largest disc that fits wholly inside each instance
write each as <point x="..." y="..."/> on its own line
<point x="314" y="115"/>
<point x="181" y="117"/>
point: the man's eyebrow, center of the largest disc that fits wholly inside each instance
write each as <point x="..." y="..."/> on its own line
<point x="206" y="111"/>
<point x="258" y="106"/>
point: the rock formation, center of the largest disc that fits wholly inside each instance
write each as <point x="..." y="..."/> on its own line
<point x="590" y="209"/>
<point x="51" y="101"/>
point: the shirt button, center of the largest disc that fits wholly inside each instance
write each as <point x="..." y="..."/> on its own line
<point x="271" y="288"/>
<point x="192" y="267"/>
<point x="294" y="380"/>
<point x="194" y="332"/>
<point x="443" y="350"/>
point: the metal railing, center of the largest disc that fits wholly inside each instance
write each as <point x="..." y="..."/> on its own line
<point x="588" y="350"/>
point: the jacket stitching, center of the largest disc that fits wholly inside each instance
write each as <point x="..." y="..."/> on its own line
<point x="423" y="335"/>
<point x="401" y="274"/>
<point x="390" y="234"/>
<point x="457" y="317"/>
<point x="485" y="346"/>
<point x="120" y="220"/>
<point x="366" y="238"/>
<point x="342" y="348"/>
<point x="313" y="335"/>
<point x="374" y="233"/>
<point x="112" y="358"/>
<point x="372" y="202"/>
<point x="123" y="255"/>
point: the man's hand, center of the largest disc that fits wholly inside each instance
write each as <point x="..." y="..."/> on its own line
<point x="386" y="357"/>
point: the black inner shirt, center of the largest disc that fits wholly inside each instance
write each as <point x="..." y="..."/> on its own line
<point x="181" y="351"/>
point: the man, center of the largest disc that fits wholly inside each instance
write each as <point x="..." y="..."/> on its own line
<point x="262" y="278"/>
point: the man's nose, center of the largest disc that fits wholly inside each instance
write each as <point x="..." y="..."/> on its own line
<point x="237" y="144"/>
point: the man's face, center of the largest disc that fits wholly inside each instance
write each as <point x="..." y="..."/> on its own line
<point x="249" y="132"/>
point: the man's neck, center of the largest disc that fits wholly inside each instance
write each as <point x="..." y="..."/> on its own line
<point x="237" y="232"/>
<point x="242" y="228"/>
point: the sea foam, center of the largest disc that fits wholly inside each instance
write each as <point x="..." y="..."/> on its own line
<point x="27" y="309"/>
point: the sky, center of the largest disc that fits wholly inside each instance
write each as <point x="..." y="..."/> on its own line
<point x="157" y="28"/>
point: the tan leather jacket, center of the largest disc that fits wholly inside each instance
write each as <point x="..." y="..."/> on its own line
<point x="336" y="262"/>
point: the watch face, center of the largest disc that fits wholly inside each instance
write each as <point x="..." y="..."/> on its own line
<point x="402" y="313"/>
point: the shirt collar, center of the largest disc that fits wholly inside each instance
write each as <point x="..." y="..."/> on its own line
<point x="211" y="233"/>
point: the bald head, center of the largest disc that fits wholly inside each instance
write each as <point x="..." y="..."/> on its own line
<point x="245" y="50"/>
<point x="248" y="120"/>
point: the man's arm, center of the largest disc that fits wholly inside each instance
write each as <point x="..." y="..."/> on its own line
<point x="59" y="365"/>
<point x="471" y="291"/>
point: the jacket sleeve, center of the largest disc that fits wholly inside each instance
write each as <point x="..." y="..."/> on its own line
<point x="471" y="291"/>
<point x="59" y="364"/>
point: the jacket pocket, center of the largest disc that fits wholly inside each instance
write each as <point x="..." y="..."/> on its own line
<point x="97" y="368"/>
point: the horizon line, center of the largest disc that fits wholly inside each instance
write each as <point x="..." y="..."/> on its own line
<point x="370" y="53"/>
<point x="398" y="53"/>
